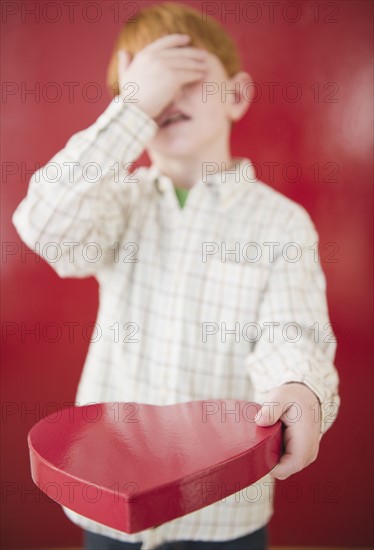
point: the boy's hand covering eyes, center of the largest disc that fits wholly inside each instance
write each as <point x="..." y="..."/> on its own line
<point x="159" y="70"/>
<point x="294" y="404"/>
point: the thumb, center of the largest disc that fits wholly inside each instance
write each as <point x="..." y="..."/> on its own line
<point x="268" y="414"/>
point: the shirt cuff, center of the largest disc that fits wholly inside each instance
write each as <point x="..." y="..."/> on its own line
<point x="131" y="117"/>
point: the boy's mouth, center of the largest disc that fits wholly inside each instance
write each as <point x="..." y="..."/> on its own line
<point x="172" y="117"/>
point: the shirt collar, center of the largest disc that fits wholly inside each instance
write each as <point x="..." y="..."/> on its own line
<point x="227" y="183"/>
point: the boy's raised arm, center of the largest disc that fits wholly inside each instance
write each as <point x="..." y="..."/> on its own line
<point x="80" y="196"/>
<point x="83" y="194"/>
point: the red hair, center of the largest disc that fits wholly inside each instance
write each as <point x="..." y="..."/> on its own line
<point x="156" y="21"/>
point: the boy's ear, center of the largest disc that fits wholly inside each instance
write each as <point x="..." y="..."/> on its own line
<point x="240" y="101"/>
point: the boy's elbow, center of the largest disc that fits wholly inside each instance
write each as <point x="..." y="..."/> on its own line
<point x="66" y="271"/>
<point x="63" y="259"/>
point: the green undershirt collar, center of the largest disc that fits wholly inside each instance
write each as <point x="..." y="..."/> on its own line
<point x="182" y="194"/>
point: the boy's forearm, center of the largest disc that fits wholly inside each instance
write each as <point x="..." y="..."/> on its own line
<point x="296" y="296"/>
<point x="71" y="198"/>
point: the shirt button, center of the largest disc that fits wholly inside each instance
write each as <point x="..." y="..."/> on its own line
<point x="161" y="185"/>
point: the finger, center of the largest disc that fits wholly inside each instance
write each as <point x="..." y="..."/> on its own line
<point x="186" y="65"/>
<point x="187" y="76"/>
<point x="269" y="414"/>
<point x="178" y="53"/>
<point x="168" y="41"/>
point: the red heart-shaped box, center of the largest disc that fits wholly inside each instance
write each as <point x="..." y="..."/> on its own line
<point x="132" y="466"/>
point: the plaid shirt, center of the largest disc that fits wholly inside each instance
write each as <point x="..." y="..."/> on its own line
<point x="223" y="299"/>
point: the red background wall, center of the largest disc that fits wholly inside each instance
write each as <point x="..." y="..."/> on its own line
<point x="322" y="50"/>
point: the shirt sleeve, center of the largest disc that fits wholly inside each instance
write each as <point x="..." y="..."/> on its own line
<point x="298" y="344"/>
<point x="77" y="204"/>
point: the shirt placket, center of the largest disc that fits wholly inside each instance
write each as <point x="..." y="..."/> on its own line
<point x="178" y="221"/>
<point x="168" y="281"/>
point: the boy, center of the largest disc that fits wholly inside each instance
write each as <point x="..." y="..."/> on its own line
<point x="212" y="298"/>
